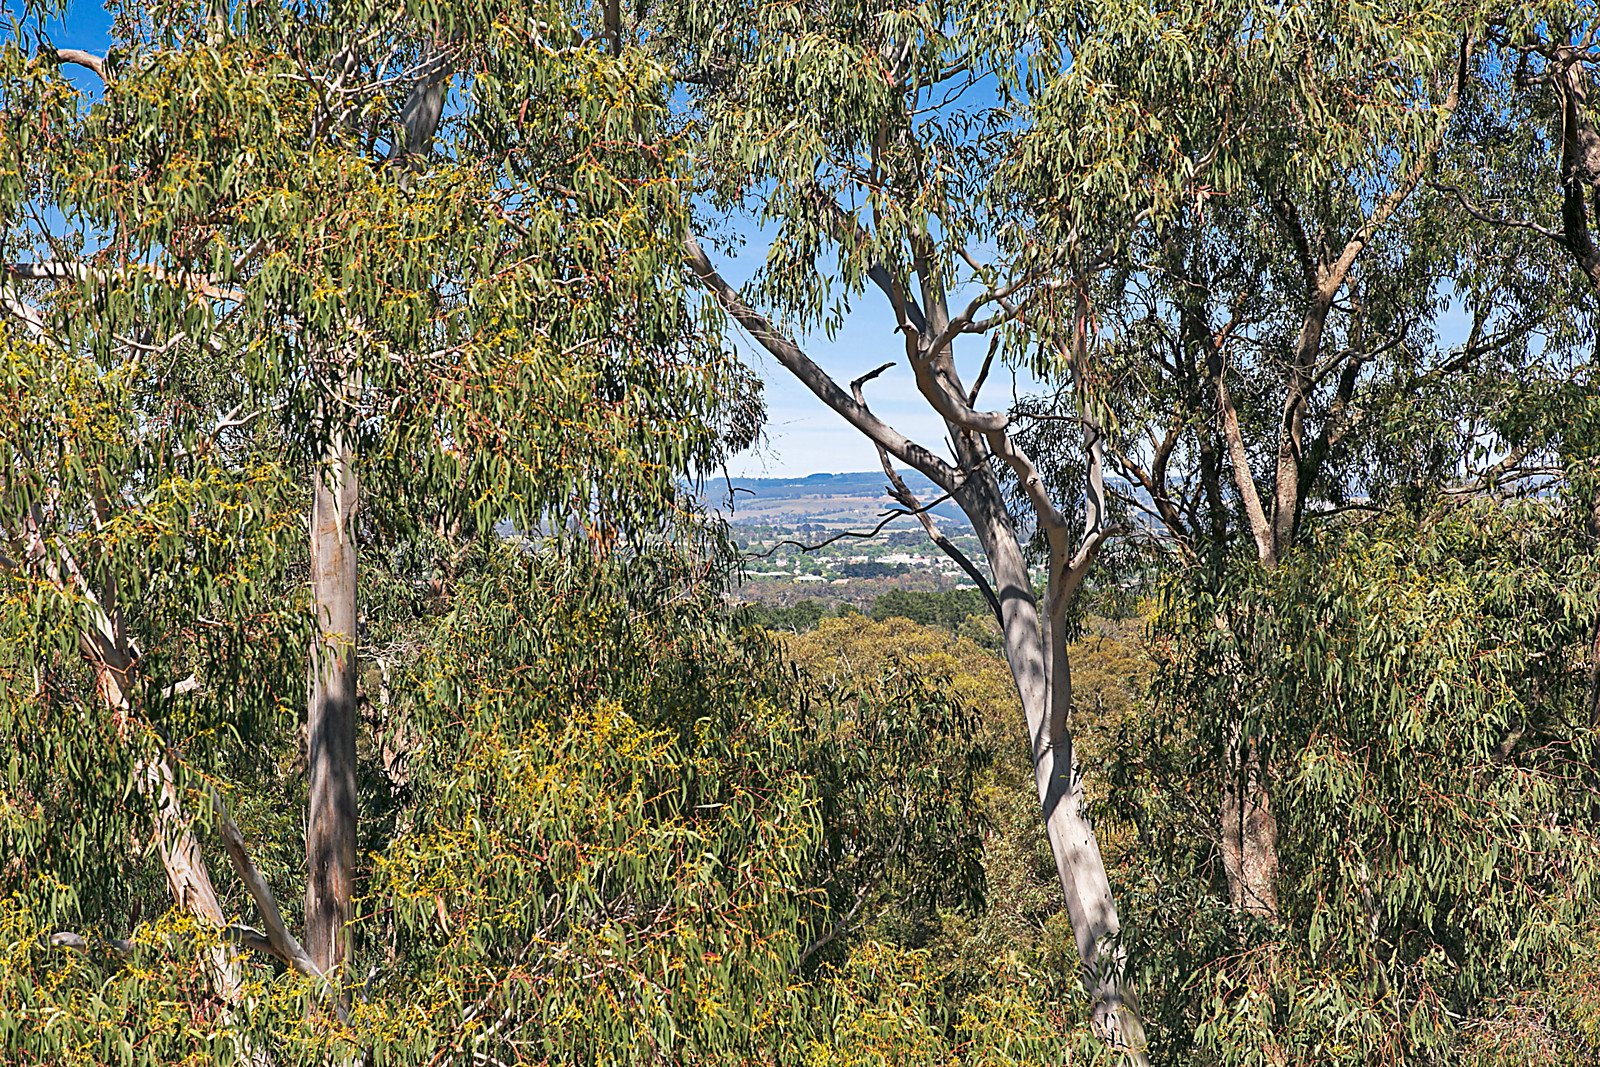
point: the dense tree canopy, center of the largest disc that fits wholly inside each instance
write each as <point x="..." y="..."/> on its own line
<point x="368" y="673"/>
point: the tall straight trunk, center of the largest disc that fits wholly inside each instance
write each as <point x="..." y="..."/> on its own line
<point x="1248" y="830"/>
<point x="1036" y="652"/>
<point x="331" y="705"/>
<point x="331" y="709"/>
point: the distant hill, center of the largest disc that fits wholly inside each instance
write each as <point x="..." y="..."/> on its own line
<point x="833" y="500"/>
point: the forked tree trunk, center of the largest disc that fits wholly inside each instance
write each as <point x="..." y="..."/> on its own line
<point x="1038" y="660"/>
<point x="1035" y="650"/>
<point x="331" y="710"/>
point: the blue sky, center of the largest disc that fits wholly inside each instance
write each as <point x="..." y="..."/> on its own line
<point x="803" y="436"/>
<point x="85" y="25"/>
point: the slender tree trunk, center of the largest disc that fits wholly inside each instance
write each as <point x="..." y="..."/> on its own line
<point x="1248" y="831"/>
<point x="108" y="650"/>
<point x="188" y="878"/>
<point x="1030" y="645"/>
<point x="1039" y="666"/>
<point x="331" y="710"/>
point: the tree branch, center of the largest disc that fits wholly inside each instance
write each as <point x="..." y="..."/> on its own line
<point x="77" y="57"/>
<point x="903" y="494"/>
<point x="983" y="372"/>
<point x="1154" y="482"/>
<point x="966" y="321"/>
<point x="1335" y="277"/>
<point x="814" y="377"/>
<point x="1483" y="216"/>
<point x="62" y="270"/>
<point x="1243" y="480"/>
<point x="280" y="942"/>
<point x="859" y="535"/>
<point x="31" y="317"/>
<point x="1077" y="568"/>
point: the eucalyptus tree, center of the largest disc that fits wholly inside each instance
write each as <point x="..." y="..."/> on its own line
<point x="1424" y="672"/>
<point x="1033" y="173"/>
<point x="1276" y="300"/>
<point x="279" y="256"/>
<point x="867" y="137"/>
<point x="1275" y="364"/>
<point x="1523" y="183"/>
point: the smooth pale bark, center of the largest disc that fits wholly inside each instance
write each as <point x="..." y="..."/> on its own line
<point x="1036" y="650"/>
<point x="331" y="711"/>
<point x="181" y="860"/>
<point x="1037" y="655"/>
<point x="1035" y="647"/>
<point x="331" y="707"/>
<point x="105" y="646"/>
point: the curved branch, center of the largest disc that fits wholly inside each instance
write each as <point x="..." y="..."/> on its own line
<point x="1077" y="567"/>
<point x="72" y="271"/>
<point x="1482" y="215"/>
<point x="279" y="941"/>
<point x="284" y="944"/>
<point x="859" y="535"/>
<point x="76" y="57"/>
<point x="814" y="377"/>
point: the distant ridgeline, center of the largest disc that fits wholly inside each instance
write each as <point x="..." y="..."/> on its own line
<point x="839" y="500"/>
<point x="857" y="500"/>
<point x="833" y="500"/>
